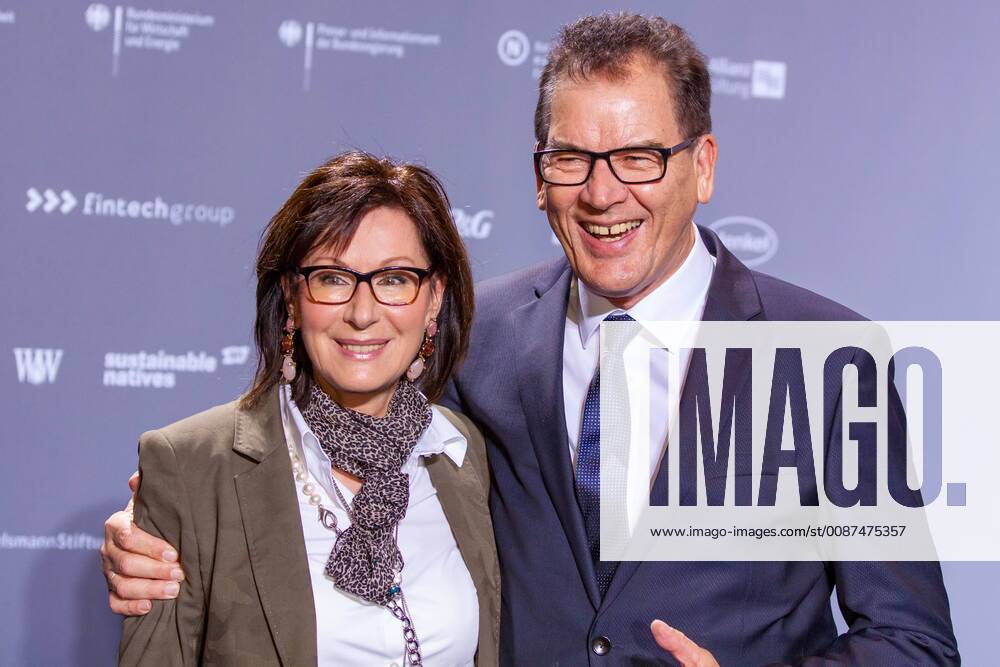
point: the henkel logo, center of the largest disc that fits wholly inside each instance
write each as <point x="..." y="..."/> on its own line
<point x="751" y="240"/>
<point x="37" y="366"/>
<point x="98" y="16"/>
<point x="513" y="48"/>
<point x="290" y="33"/>
<point x="473" y="225"/>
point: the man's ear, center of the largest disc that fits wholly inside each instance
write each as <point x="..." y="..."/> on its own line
<point x="704" y="165"/>
<point x="539" y="185"/>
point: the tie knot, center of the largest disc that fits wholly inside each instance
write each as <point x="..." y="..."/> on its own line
<point x="622" y="335"/>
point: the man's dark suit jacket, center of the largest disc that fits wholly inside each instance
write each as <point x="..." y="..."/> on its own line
<point x="745" y="613"/>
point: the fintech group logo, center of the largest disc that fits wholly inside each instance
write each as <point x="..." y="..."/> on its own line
<point x="159" y="370"/>
<point x="473" y="225"/>
<point x="753" y="241"/>
<point x="318" y="36"/>
<point x="37" y="365"/>
<point x="144" y="29"/>
<point x="760" y="79"/>
<point x="64" y="202"/>
<point x="7" y="17"/>
<point x="515" y="48"/>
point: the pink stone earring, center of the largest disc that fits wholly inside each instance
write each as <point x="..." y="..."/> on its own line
<point x="426" y="350"/>
<point x="288" y="349"/>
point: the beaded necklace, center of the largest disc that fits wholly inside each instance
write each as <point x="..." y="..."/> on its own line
<point x="397" y="601"/>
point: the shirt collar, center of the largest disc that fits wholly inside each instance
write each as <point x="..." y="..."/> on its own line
<point x="441" y="437"/>
<point x="677" y="298"/>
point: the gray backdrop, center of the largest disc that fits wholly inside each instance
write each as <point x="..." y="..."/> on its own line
<point x="145" y="147"/>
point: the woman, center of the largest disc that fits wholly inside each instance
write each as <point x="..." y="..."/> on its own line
<point x="331" y="514"/>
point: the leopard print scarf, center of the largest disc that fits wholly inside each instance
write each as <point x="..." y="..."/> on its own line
<point x="365" y="557"/>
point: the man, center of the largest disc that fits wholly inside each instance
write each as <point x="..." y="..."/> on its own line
<point x="621" y="98"/>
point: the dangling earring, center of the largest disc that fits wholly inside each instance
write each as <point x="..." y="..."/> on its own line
<point x="288" y="349"/>
<point x="426" y="350"/>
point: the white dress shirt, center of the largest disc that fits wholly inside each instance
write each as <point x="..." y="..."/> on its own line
<point x="680" y="298"/>
<point x="439" y="591"/>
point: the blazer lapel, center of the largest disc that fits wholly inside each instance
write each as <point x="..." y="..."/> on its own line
<point x="463" y="497"/>
<point x="273" y="528"/>
<point x="539" y="327"/>
<point x="732" y="296"/>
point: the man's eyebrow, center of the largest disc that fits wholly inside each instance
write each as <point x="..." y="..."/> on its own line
<point x="563" y="145"/>
<point x="568" y="146"/>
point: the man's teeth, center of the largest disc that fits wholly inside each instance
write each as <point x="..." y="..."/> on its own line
<point x="362" y="349"/>
<point x="611" y="231"/>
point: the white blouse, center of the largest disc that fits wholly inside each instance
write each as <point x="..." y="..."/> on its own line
<point x="439" y="591"/>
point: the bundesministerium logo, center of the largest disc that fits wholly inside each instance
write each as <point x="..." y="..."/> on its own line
<point x="37" y="365"/>
<point x="98" y="16"/>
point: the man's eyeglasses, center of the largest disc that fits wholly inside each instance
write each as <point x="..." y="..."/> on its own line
<point x="559" y="166"/>
<point x="391" y="285"/>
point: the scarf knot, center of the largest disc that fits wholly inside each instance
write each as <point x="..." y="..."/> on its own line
<point x="366" y="558"/>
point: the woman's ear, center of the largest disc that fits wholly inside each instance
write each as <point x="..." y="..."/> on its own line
<point x="438" y="286"/>
<point x="288" y="292"/>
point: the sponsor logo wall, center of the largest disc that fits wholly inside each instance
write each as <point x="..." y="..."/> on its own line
<point x="147" y="145"/>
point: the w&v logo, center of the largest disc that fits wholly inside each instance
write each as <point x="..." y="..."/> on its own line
<point x="37" y="366"/>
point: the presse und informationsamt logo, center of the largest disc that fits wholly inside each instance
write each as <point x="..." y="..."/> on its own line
<point x="290" y="33"/>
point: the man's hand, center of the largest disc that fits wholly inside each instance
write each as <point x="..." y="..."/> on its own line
<point x="685" y="651"/>
<point x="139" y="567"/>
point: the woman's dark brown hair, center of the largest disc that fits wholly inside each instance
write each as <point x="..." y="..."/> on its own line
<point x="326" y="209"/>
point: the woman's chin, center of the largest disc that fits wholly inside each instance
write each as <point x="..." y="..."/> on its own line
<point x="360" y="391"/>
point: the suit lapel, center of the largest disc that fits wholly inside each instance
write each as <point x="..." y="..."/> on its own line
<point x="539" y="327"/>
<point x="732" y="296"/>
<point x="273" y="528"/>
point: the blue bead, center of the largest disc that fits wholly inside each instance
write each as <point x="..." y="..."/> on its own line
<point x="394" y="590"/>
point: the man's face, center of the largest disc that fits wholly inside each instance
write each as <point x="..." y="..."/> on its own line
<point x="601" y="114"/>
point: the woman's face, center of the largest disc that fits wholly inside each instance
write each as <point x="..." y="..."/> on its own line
<point x="360" y="349"/>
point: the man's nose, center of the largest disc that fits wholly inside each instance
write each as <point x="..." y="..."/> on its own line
<point x="603" y="189"/>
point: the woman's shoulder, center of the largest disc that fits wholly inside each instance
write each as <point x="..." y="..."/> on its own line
<point x="210" y="429"/>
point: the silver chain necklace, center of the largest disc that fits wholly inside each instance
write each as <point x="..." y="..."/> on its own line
<point x="397" y="601"/>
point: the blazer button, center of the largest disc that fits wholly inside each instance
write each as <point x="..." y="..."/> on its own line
<point x="601" y="645"/>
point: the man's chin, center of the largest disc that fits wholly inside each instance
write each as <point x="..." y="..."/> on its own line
<point x="613" y="290"/>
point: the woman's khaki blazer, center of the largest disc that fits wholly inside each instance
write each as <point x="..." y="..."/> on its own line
<point x="219" y="487"/>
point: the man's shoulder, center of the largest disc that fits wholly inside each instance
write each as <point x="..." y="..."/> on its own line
<point x="781" y="300"/>
<point x="518" y="286"/>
